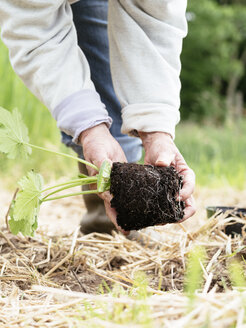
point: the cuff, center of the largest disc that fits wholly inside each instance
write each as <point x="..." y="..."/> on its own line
<point x="151" y="117"/>
<point x="81" y="111"/>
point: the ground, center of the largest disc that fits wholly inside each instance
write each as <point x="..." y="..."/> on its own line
<point x="45" y="280"/>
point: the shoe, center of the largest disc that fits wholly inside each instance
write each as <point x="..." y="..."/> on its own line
<point x="95" y="220"/>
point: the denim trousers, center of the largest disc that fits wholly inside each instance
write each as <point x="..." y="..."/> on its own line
<point x="90" y="19"/>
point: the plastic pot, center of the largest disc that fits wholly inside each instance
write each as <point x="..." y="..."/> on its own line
<point x="234" y="227"/>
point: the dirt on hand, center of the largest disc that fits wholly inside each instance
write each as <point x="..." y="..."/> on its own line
<point x="144" y="195"/>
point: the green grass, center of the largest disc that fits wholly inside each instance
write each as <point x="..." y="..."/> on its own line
<point x="121" y="313"/>
<point x="216" y="154"/>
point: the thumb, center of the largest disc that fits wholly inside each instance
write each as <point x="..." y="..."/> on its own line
<point x="165" y="159"/>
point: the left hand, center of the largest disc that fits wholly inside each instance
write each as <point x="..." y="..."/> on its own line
<point x="160" y="150"/>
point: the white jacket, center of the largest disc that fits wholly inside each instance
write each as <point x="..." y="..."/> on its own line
<point x="145" y="39"/>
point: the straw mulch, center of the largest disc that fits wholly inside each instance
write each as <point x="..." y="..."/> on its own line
<point x="47" y="281"/>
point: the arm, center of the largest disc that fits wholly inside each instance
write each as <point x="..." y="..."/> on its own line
<point x="42" y="43"/>
<point x="145" y="45"/>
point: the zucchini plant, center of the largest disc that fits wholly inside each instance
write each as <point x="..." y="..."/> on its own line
<point x="14" y="142"/>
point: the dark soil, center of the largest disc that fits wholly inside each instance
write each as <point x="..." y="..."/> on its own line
<point x="144" y="195"/>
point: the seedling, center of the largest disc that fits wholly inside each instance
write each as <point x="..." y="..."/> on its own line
<point x="14" y="142"/>
<point x="143" y="195"/>
<point x="194" y="273"/>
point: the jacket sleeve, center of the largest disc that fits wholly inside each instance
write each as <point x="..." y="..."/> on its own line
<point x="145" y="45"/>
<point x="43" y="50"/>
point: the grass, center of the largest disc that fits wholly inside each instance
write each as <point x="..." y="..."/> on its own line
<point x="216" y="154"/>
<point x="119" y="313"/>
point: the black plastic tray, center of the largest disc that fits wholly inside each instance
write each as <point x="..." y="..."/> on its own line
<point x="234" y="227"/>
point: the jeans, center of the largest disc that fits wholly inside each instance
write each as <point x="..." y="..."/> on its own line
<point x="90" y="18"/>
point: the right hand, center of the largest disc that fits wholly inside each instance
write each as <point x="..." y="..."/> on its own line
<point x="99" y="145"/>
<point x="160" y="150"/>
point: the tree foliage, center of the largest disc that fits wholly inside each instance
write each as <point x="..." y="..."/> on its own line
<point x="214" y="59"/>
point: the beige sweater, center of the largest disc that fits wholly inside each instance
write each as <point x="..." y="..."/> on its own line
<point x="145" y="39"/>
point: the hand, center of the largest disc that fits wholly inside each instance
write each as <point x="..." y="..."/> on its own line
<point x="99" y="145"/>
<point x="160" y="150"/>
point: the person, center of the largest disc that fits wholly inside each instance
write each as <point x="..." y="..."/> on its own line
<point x="108" y="70"/>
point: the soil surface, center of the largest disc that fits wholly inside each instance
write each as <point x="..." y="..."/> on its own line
<point x="100" y="260"/>
<point x="144" y="195"/>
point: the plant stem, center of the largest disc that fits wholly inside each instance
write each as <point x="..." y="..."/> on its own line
<point x="87" y="180"/>
<point x="73" y="194"/>
<point x="66" y="187"/>
<point x="64" y="155"/>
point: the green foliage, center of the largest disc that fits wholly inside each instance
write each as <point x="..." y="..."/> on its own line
<point x="23" y="226"/>
<point x="216" y="154"/>
<point x="137" y="312"/>
<point x="25" y="209"/>
<point x="238" y="280"/>
<point x="140" y="285"/>
<point x="103" y="181"/>
<point x="212" y="58"/>
<point x="237" y="275"/>
<point x="194" y="273"/>
<point x="13" y="134"/>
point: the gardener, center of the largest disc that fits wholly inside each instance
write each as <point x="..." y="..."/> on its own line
<point x="145" y="41"/>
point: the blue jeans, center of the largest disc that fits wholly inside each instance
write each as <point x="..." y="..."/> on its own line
<point x="90" y="18"/>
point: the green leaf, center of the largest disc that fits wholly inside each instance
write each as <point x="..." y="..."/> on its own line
<point x="103" y="180"/>
<point x="13" y="134"/>
<point x="23" y="226"/>
<point x="25" y="208"/>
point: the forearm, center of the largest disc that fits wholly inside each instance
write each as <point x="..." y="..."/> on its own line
<point x="145" y="46"/>
<point x="42" y="43"/>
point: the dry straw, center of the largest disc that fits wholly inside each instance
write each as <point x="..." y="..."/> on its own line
<point x="47" y="281"/>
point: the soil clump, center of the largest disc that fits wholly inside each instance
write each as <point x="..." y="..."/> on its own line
<point x="144" y="195"/>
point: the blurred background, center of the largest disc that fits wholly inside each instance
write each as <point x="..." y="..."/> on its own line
<point x="212" y="132"/>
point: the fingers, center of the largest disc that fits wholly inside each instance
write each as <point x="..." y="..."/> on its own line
<point x="190" y="208"/>
<point x="106" y="196"/>
<point x="165" y="159"/>
<point x="189" y="177"/>
<point x="111" y="213"/>
<point x="159" y="148"/>
<point x="188" y="184"/>
<point x="98" y="160"/>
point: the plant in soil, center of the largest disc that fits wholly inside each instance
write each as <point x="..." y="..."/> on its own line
<point x="149" y="192"/>
<point x="143" y="195"/>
